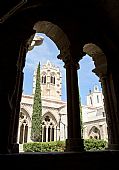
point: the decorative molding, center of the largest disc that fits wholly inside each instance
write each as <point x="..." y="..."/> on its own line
<point x="26" y="104"/>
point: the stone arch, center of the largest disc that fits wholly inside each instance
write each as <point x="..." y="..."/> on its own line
<point x="56" y="34"/>
<point x="25" y="111"/>
<point x="43" y="73"/>
<point x="24" y="126"/>
<point x="49" y="127"/>
<point x="50" y="115"/>
<point x="100" y="62"/>
<point x="98" y="57"/>
<point x="52" y="77"/>
<point x="43" y="77"/>
<point x="94" y="132"/>
<point x="53" y="73"/>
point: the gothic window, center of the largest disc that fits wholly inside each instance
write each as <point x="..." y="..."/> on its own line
<point x="25" y="133"/>
<point x="97" y="99"/>
<point x="48" y="129"/>
<point x="95" y="133"/>
<point x="103" y="113"/>
<point x="52" y="79"/>
<point x="47" y="119"/>
<point x="23" y="128"/>
<point x="43" y="79"/>
<point x="95" y="130"/>
<point x="91" y="101"/>
<point x="44" y="134"/>
<point x="21" y="134"/>
<point x="95" y="137"/>
<point x="96" y="88"/>
<point x="52" y="135"/>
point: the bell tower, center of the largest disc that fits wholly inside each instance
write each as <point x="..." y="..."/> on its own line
<point x="50" y="81"/>
<point x="95" y="97"/>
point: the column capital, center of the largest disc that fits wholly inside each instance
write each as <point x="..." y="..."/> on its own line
<point x="98" y="57"/>
<point x="72" y="64"/>
<point x="101" y="71"/>
<point x="68" y="60"/>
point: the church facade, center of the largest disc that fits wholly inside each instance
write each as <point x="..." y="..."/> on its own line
<point x="93" y="116"/>
<point x="54" y="110"/>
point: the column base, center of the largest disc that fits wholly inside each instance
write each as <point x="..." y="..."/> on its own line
<point x="14" y="148"/>
<point x="113" y="147"/>
<point x="74" y="145"/>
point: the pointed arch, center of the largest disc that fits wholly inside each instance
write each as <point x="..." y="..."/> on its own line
<point x="49" y="127"/>
<point x="48" y="113"/>
<point x="94" y="132"/>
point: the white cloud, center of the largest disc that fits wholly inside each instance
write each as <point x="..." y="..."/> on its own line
<point x="42" y="53"/>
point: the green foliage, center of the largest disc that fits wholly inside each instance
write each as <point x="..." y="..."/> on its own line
<point x="95" y="144"/>
<point x="59" y="146"/>
<point x="36" y="130"/>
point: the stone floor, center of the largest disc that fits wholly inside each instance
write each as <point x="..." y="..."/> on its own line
<point x="97" y="160"/>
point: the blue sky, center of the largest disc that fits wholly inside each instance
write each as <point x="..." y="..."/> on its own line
<point x="49" y="51"/>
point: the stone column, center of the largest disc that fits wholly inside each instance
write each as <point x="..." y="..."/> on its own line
<point x="55" y="138"/>
<point x="112" y="118"/>
<point x="110" y="112"/>
<point x="29" y="134"/>
<point x="74" y="141"/>
<point x="17" y="111"/>
<point x="47" y="133"/>
<point x="110" y="85"/>
<point x="15" y="100"/>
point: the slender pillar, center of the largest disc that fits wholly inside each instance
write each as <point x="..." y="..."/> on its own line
<point x="47" y="133"/>
<point x="74" y="141"/>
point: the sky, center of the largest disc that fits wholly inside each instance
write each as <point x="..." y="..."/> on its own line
<point x="49" y="51"/>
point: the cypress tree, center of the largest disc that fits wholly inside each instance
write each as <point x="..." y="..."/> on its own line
<point x="36" y="129"/>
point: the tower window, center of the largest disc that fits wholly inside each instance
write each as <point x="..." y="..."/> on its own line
<point x="103" y="113"/>
<point x="91" y="101"/>
<point x="43" y="79"/>
<point x="97" y="99"/>
<point x="52" y="79"/>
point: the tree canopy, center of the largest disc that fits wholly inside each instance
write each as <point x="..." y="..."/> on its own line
<point x="36" y="130"/>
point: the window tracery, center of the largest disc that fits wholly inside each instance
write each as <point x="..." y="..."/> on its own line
<point x="48" y="129"/>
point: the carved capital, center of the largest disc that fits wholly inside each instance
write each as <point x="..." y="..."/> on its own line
<point x="69" y="62"/>
<point x="98" y="57"/>
<point x="65" y="55"/>
<point x="96" y="53"/>
<point x="101" y="71"/>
